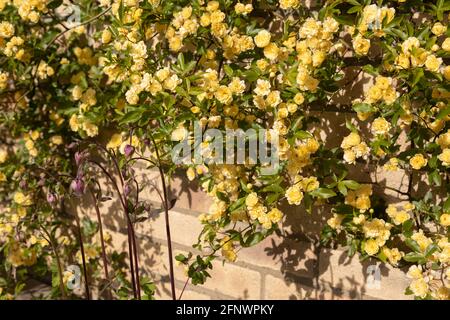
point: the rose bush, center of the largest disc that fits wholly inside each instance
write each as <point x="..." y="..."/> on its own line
<point x="145" y="72"/>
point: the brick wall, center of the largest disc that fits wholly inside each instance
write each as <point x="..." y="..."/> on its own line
<point x="290" y="266"/>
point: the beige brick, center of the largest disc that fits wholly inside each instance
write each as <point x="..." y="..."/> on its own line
<point x="188" y="194"/>
<point x="234" y="281"/>
<point x="338" y="271"/>
<point x="285" y="289"/>
<point x="184" y="228"/>
<point x="193" y="295"/>
<point x="282" y="254"/>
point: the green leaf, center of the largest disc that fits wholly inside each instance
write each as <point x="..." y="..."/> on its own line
<point x="363" y="107"/>
<point x="237" y="204"/>
<point x="273" y="197"/>
<point x="228" y="70"/>
<point x="415" y="257"/>
<point x="418" y="74"/>
<point x="273" y="188"/>
<point x="413" y="245"/>
<point x="342" y="188"/>
<point x="351" y="184"/>
<point x="54" y="4"/>
<point x="435" y="178"/>
<point x="446" y="206"/>
<point x="443" y="113"/>
<point x="353" y="2"/>
<point x="181" y="62"/>
<point x="432" y="248"/>
<point x="253" y="239"/>
<point x="323" y="193"/>
<point x="180" y="257"/>
<point x="222" y="196"/>
<point x="407" y="227"/>
<point x="354" y="9"/>
<point x="301" y="134"/>
<point x="132" y="116"/>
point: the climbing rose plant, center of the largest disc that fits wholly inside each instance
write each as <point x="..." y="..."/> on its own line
<point x="144" y="73"/>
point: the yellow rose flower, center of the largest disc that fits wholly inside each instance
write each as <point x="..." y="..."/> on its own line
<point x="106" y="36"/>
<point x="419" y="287"/>
<point x="446" y="45"/>
<point x="224" y="95"/>
<point x="21" y="199"/>
<point x="3" y="155"/>
<point x="445" y="219"/>
<point x="335" y="221"/>
<point x="251" y="200"/>
<point x="361" y="45"/>
<point x="447" y="73"/>
<point x="353" y="139"/>
<point x="287" y="4"/>
<point x="57" y="140"/>
<point x="271" y="51"/>
<point x="294" y="195"/>
<point x="262" y="39"/>
<point x="438" y="29"/>
<point x="418" y="161"/>
<point x="433" y="63"/>
<point x="371" y="247"/>
<point x="445" y="157"/>
<point x="190" y="173"/>
<point x="275" y="215"/>
<point x="115" y="141"/>
<point x="380" y="126"/>
<point x="6" y="29"/>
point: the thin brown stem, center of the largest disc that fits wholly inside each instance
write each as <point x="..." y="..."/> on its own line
<point x="166" y="215"/>
<point x="83" y="258"/>
<point x="102" y="239"/>
<point x="58" y="261"/>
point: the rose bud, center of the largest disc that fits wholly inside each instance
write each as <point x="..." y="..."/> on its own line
<point x="129" y="150"/>
<point x="77" y="186"/>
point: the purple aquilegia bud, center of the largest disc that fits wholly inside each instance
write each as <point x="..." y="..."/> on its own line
<point x="77" y="186"/>
<point x="126" y="190"/>
<point x="51" y="198"/>
<point x="129" y="150"/>
<point x="78" y="157"/>
<point x="23" y="184"/>
<point x="72" y="145"/>
<point x="147" y="141"/>
<point x="41" y="182"/>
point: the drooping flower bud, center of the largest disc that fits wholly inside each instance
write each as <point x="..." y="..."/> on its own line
<point x="78" y="157"/>
<point x="72" y="145"/>
<point x="51" y="198"/>
<point x="128" y="150"/>
<point x="23" y="184"/>
<point x="77" y="186"/>
<point x="126" y="190"/>
<point x="41" y="182"/>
